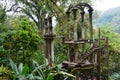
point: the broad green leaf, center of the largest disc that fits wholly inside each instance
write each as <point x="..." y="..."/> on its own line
<point x="20" y="68"/>
<point x="51" y="76"/>
<point x="14" y="67"/>
<point x="25" y="69"/>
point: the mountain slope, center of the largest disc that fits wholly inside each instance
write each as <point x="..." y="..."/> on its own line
<point x="110" y="17"/>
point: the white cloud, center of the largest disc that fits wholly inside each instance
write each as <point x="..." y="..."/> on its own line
<point x="103" y="5"/>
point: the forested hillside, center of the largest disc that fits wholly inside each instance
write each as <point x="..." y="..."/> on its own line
<point x="110" y="17"/>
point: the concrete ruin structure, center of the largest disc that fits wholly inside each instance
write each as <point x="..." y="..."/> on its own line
<point x="85" y="64"/>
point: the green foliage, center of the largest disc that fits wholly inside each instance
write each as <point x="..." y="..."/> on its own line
<point x="5" y="72"/>
<point x="50" y="73"/>
<point x="40" y="72"/>
<point x="37" y="10"/>
<point x="60" y="52"/>
<point x="115" y="76"/>
<point x="21" y="72"/>
<point x="114" y="40"/>
<point x="22" y="41"/>
<point x="2" y="14"/>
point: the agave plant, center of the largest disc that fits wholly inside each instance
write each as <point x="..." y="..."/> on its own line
<point x="39" y="72"/>
<point x="21" y="72"/>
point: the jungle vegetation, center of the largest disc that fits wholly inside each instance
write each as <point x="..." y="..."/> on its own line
<point x="22" y="53"/>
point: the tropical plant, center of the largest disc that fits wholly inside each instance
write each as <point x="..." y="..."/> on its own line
<point x="5" y="73"/>
<point x="20" y="72"/>
<point x="22" y="40"/>
<point x="115" y="76"/>
<point x="40" y="72"/>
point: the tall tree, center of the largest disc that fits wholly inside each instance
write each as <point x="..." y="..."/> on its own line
<point x="38" y="9"/>
<point x="2" y="14"/>
<point x="8" y="5"/>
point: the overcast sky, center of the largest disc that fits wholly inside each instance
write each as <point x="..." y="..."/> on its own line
<point x="103" y="5"/>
